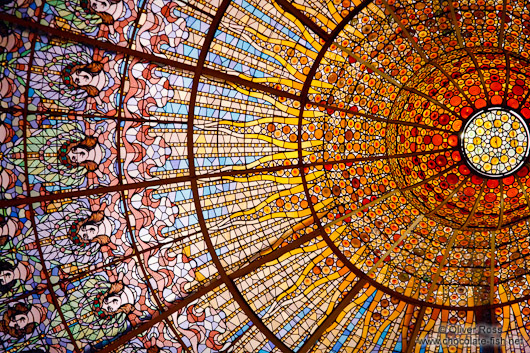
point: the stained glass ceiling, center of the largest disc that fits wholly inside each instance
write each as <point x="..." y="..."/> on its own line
<point x="263" y="176"/>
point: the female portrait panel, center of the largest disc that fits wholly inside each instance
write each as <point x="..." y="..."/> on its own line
<point x="76" y="77"/>
<point x="162" y="29"/>
<point x="73" y="77"/>
<point x="103" y="306"/>
<point x="79" y="235"/>
<point x="64" y="154"/>
<point x="19" y="274"/>
<point x="27" y="325"/>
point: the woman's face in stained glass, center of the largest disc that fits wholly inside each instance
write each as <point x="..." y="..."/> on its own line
<point x="112" y="303"/>
<point x="78" y="155"/>
<point x="89" y="232"/>
<point x="82" y="78"/>
<point x="100" y="5"/>
<point x="6" y="277"/>
<point x="20" y="321"/>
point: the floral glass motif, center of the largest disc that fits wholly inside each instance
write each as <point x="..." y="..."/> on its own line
<point x="271" y="176"/>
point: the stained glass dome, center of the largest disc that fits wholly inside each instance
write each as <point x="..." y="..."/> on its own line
<point x="187" y="176"/>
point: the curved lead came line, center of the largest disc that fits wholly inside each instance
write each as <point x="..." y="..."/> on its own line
<point x="477" y="202"/>
<point x="395" y="244"/>
<point x="422" y="53"/>
<point x="234" y="291"/>
<point x="304" y="95"/>
<point x="382" y="120"/>
<point x="412" y="343"/>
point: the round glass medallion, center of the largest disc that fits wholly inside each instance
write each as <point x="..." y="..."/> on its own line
<point x="495" y="142"/>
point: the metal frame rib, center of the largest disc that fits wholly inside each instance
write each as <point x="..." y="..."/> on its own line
<point x="229" y="278"/>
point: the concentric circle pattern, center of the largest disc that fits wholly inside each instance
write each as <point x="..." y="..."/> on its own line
<point x="495" y="142"/>
<point x="444" y="182"/>
<point x="263" y="175"/>
<point x="443" y="201"/>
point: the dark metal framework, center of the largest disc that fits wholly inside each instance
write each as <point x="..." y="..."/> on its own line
<point x="223" y="277"/>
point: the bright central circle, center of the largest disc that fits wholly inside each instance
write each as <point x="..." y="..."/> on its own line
<point x="495" y="142"/>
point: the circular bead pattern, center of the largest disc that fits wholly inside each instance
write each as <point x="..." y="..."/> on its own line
<point x="495" y="142"/>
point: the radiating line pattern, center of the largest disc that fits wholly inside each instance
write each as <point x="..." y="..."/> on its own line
<point x="257" y="176"/>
